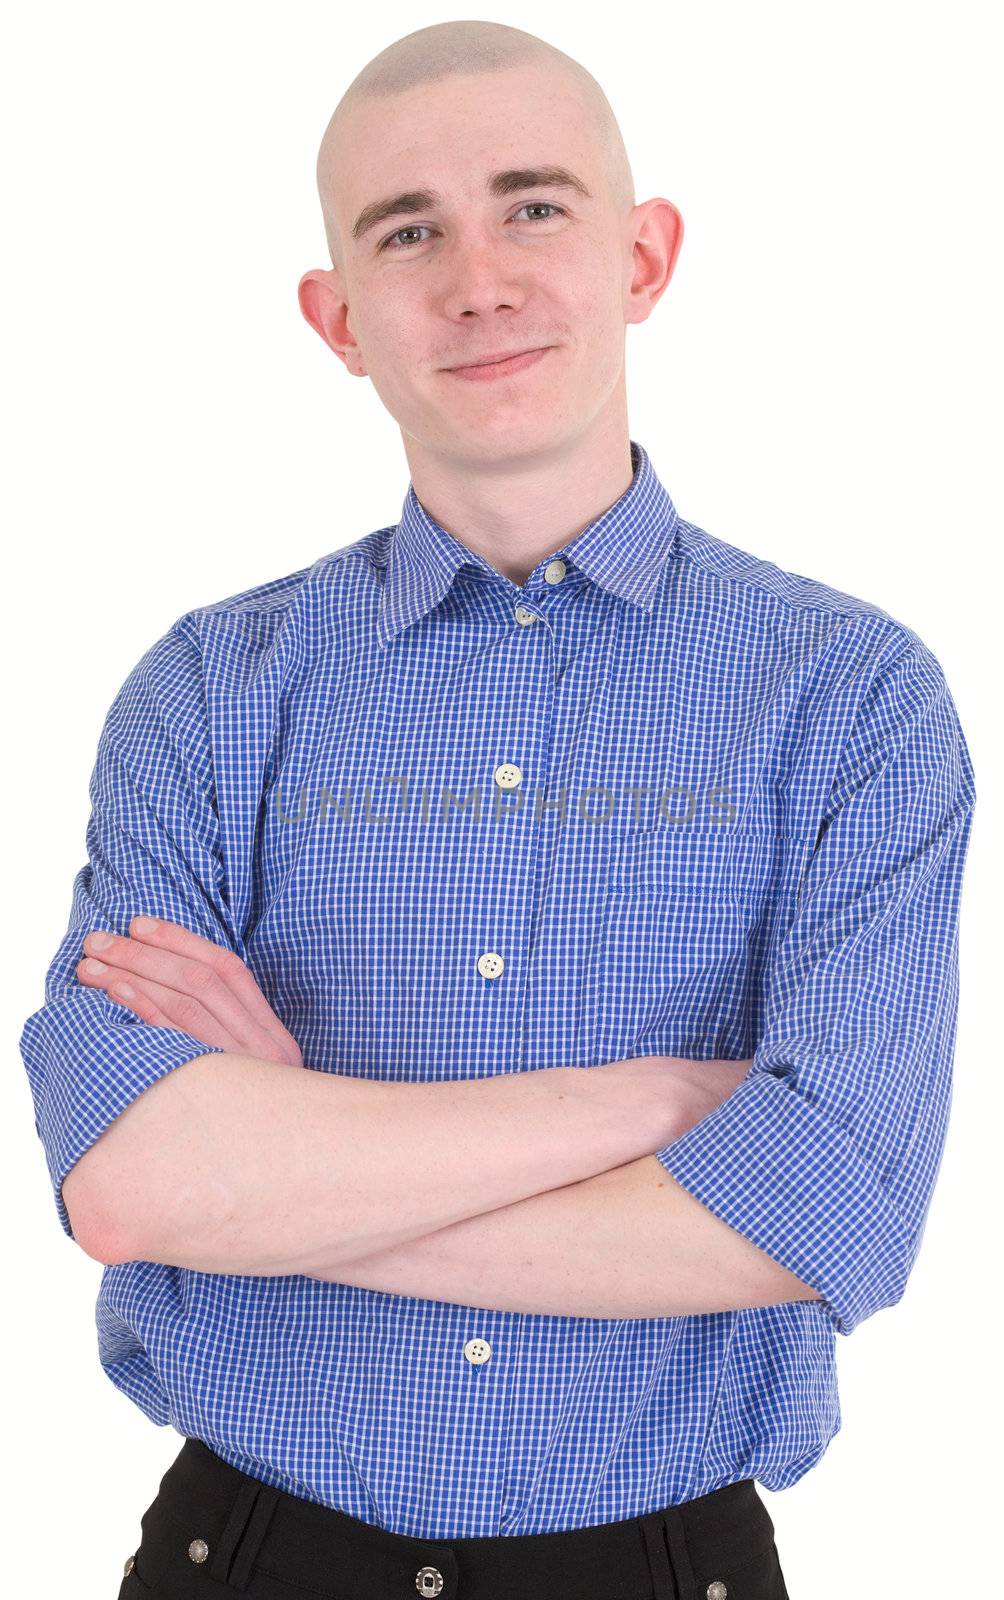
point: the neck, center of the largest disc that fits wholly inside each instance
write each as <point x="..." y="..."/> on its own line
<point x="518" y="511"/>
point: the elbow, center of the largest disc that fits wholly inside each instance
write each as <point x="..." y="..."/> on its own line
<point x="95" y="1230"/>
<point x="147" y="1228"/>
<point x="102" y="1247"/>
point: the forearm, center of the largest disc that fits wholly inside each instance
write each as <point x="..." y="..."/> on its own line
<point x="625" y="1243"/>
<point x="235" y="1165"/>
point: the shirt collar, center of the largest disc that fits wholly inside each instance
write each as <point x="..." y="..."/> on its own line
<point x="624" y="551"/>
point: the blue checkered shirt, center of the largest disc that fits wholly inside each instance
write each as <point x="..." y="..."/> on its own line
<point x="700" y="806"/>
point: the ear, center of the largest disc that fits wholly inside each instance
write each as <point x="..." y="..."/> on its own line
<point x="657" y="228"/>
<point x="321" y="295"/>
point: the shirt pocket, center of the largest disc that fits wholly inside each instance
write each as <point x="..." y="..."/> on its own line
<point x="671" y="966"/>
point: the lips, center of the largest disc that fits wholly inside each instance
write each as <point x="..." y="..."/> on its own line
<point x="501" y="369"/>
<point x="500" y="355"/>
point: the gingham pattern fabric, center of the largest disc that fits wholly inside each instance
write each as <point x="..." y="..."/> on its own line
<point x="700" y="806"/>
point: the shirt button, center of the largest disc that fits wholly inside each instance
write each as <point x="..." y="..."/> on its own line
<point x="490" y="965"/>
<point x="129" y="1566"/>
<point x="555" y="570"/>
<point x="508" y="775"/>
<point x="525" y="616"/>
<point x="716" y="1590"/>
<point x="428" y="1580"/>
<point x="478" y="1351"/>
<point x="198" y="1550"/>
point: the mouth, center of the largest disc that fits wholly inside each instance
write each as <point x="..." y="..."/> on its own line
<point x="501" y="368"/>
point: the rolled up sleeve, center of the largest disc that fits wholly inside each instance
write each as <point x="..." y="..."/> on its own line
<point x="827" y="1153"/>
<point x="153" y="847"/>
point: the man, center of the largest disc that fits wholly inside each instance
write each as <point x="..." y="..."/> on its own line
<point x="541" y="779"/>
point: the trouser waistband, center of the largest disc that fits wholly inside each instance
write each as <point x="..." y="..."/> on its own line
<point x="211" y="1521"/>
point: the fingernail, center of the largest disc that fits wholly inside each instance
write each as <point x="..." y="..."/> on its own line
<point x="100" y="941"/>
<point x="94" y="966"/>
<point x="144" y="924"/>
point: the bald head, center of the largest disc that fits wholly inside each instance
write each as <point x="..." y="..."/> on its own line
<point x="432" y="55"/>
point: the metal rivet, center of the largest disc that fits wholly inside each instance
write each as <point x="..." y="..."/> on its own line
<point x="198" y="1550"/>
<point x="716" y="1590"/>
<point x="129" y="1566"/>
<point x="428" y="1580"/>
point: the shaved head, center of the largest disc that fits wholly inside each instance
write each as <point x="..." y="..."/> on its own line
<point x="479" y="208"/>
<point x="447" y="49"/>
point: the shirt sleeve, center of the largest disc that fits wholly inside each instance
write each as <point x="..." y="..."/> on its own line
<point x="826" y="1155"/>
<point x="153" y="846"/>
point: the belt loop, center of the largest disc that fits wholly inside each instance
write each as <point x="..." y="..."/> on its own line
<point x="261" y="1516"/>
<point x="658" y="1556"/>
<point x="675" y="1538"/>
<point x="237" y="1521"/>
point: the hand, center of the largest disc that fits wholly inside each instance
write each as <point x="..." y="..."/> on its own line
<point x="691" y="1089"/>
<point x="703" y="1087"/>
<point x="174" y="978"/>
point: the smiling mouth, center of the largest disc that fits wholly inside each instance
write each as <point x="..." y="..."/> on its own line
<point x="499" y="369"/>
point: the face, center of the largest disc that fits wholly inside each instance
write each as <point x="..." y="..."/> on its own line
<point x="474" y="273"/>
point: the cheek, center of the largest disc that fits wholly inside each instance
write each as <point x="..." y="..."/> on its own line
<point x="383" y="325"/>
<point x="391" y="347"/>
<point x="600" y="328"/>
<point x="591" y="289"/>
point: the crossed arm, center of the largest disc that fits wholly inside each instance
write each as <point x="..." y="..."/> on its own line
<point x="627" y="1242"/>
<point x="630" y="1242"/>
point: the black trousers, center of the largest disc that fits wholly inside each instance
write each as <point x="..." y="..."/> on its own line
<point x="212" y="1527"/>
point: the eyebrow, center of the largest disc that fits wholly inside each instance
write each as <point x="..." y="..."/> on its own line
<point x="513" y="180"/>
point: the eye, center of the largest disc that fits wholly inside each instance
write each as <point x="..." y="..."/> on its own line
<point x="417" y="227"/>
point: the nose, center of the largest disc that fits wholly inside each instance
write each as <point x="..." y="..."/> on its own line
<point x="481" y="280"/>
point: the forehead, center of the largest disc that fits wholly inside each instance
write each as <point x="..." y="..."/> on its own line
<point x="450" y="137"/>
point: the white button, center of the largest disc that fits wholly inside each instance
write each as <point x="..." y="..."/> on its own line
<point x="490" y="964"/>
<point x="129" y="1565"/>
<point x="525" y="616"/>
<point x="716" y="1590"/>
<point x="508" y="775"/>
<point x="198" y="1550"/>
<point x="428" y="1580"/>
<point x="478" y="1351"/>
<point x="555" y="570"/>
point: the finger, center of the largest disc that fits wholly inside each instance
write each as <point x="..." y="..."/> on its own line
<point x="197" y="980"/>
<point x="165" y="935"/>
<point x="154" y="1004"/>
<point x="161" y="934"/>
<point x="166" y="1008"/>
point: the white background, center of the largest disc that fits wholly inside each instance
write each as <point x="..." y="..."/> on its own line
<point x="819" y="385"/>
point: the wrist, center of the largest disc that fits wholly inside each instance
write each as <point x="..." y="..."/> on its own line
<point x="700" y="1087"/>
<point x="669" y="1087"/>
